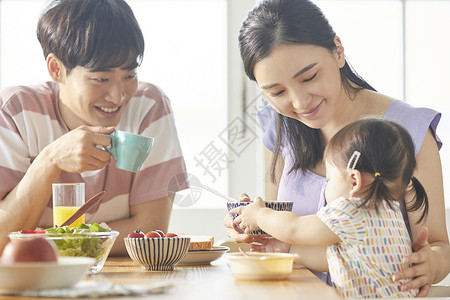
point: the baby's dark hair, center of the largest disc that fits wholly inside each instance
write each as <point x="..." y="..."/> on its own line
<point x="387" y="153"/>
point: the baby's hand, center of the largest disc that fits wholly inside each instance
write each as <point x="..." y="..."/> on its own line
<point x="248" y="214"/>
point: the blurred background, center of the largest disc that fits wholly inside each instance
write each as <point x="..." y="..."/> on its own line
<point x="399" y="46"/>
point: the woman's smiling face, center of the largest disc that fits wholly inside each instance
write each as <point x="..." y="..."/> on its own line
<point x="96" y="98"/>
<point x="302" y="82"/>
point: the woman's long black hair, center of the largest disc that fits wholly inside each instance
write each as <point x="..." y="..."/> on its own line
<point x="283" y="22"/>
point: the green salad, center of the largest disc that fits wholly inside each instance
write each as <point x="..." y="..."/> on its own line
<point x="76" y="242"/>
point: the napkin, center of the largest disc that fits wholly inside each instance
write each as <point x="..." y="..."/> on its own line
<point x="98" y="289"/>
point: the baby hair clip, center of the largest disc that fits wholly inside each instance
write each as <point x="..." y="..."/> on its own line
<point x="353" y="160"/>
<point x="377" y="174"/>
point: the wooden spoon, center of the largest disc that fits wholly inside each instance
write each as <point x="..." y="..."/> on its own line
<point x="84" y="208"/>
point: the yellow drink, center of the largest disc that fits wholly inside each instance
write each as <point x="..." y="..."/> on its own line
<point x="62" y="213"/>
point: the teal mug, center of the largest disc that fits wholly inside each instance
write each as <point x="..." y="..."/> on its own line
<point x="129" y="150"/>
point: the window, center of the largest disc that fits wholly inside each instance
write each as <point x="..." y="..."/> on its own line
<point x="371" y="33"/>
<point x="398" y="46"/>
<point x="186" y="55"/>
<point x="427" y="65"/>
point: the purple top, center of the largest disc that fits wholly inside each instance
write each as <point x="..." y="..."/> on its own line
<point x="307" y="190"/>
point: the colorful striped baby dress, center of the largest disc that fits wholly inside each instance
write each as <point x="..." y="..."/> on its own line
<point x="372" y="248"/>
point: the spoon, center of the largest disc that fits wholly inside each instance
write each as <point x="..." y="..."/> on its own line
<point x="243" y="252"/>
<point x="84" y="208"/>
<point x="263" y="257"/>
<point x="210" y="189"/>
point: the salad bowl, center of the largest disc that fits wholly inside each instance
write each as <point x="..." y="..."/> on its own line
<point x="84" y="241"/>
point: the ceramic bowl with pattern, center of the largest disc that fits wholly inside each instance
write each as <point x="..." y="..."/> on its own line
<point x="157" y="254"/>
<point x="276" y="205"/>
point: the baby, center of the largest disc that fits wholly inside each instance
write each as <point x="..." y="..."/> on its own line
<point x="369" y="169"/>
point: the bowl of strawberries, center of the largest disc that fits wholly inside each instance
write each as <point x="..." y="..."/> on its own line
<point x="155" y="250"/>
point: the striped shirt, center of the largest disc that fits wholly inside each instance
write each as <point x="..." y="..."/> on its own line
<point x="372" y="248"/>
<point x="30" y="120"/>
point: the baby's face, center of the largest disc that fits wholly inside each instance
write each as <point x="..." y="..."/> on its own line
<point x="339" y="183"/>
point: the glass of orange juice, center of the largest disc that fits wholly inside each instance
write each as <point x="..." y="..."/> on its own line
<point x="67" y="198"/>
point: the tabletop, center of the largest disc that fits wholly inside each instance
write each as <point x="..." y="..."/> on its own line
<point x="211" y="281"/>
<point x="215" y="281"/>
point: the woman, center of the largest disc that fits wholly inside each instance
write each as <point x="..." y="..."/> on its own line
<point x="291" y="51"/>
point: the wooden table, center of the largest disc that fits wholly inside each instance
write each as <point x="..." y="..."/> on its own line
<point x="215" y="281"/>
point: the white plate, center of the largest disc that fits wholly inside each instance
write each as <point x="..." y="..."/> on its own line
<point x="203" y="257"/>
<point x="36" y="276"/>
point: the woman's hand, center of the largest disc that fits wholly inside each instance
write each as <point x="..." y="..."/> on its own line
<point x="270" y="244"/>
<point x="423" y="266"/>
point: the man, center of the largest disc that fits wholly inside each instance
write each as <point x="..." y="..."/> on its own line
<point x="55" y="132"/>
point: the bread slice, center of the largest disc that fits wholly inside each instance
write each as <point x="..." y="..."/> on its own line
<point x="201" y="242"/>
